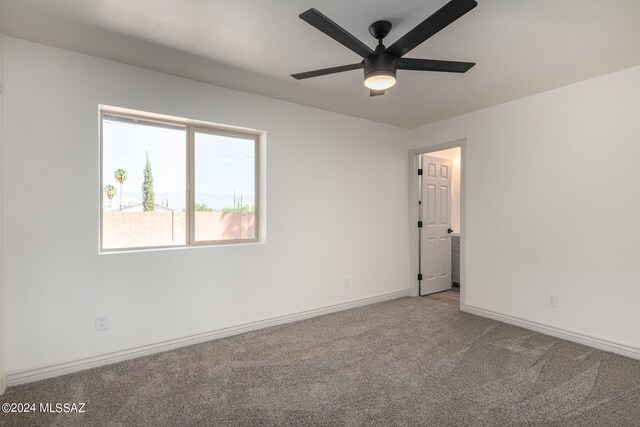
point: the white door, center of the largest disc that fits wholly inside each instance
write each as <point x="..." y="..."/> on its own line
<point x="435" y="240"/>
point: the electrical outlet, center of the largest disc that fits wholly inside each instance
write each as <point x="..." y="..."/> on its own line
<point x="346" y="281"/>
<point x="552" y="300"/>
<point x="102" y="322"/>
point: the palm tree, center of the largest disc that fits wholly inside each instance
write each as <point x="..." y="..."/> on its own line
<point x="121" y="176"/>
<point x="110" y="192"/>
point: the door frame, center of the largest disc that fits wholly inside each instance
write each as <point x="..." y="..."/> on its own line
<point x="413" y="212"/>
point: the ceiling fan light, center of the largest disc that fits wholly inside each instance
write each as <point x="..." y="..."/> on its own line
<point x="380" y="80"/>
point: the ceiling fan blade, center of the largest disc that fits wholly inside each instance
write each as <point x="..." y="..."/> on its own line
<point x="325" y="71"/>
<point x="336" y="32"/>
<point x="430" y="26"/>
<point x="376" y="92"/>
<point x="434" y="65"/>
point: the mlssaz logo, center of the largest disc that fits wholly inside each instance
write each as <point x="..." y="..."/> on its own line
<point x="62" y="408"/>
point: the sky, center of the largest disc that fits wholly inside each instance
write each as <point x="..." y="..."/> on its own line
<point x="222" y="163"/>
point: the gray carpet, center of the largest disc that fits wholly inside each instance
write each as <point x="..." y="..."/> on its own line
<point x="411" y="361"/>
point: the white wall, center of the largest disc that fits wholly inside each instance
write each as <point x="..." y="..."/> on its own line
<point x="546" y="211"/>
<point x="453" y="154"/>
<point x="3" y="376"/>
<point x="337" y="206"/>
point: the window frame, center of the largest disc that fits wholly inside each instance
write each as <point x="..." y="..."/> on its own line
<point x="191" y="127"/>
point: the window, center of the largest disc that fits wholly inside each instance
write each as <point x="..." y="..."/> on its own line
<point x="172" y="182"/>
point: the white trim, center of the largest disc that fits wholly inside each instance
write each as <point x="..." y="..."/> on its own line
<point x="578" y="337"/>
<point x="27" y="375"/>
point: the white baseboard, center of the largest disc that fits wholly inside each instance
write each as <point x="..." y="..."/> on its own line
<point x="3" y="382"/>
<point x="580" y="338"/>
<point x="27" y="375"/>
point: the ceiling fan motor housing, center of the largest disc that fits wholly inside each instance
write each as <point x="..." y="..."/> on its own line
<point x="380" y="64"/>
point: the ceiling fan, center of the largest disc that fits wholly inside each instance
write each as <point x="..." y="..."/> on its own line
<point x="380" y="66"/>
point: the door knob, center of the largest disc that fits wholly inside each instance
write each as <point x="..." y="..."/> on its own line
<point x="449" y="230"/>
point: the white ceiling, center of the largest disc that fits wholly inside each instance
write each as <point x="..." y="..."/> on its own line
<point x="521" y="47"/>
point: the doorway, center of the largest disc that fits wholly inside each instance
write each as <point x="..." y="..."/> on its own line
<point x="437" y="206"/>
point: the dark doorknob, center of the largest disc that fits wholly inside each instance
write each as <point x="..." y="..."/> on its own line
<point x="449" y="230"/>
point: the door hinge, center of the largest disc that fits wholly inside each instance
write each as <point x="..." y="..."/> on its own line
<point x="419" y="171"/>
<point x="419" y="224"/>
<point x="419" y="276"/>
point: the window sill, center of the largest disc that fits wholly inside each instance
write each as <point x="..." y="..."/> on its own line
<point x="180" y="248"/>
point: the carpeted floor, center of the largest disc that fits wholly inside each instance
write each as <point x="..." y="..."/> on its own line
<point x="412" y="361"/>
